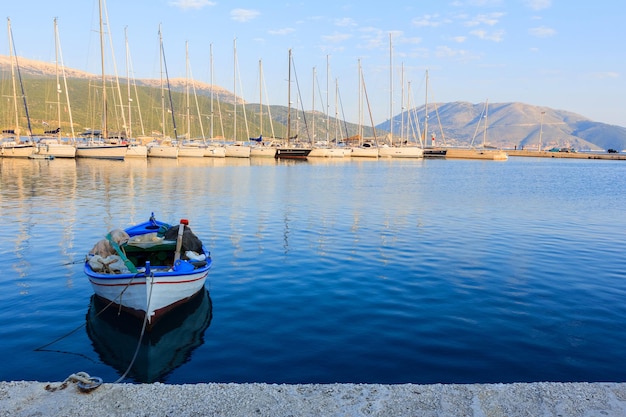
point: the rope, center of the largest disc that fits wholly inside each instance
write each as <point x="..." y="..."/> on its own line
<point x="143" y="330"/>
<point x="85" y="382"/>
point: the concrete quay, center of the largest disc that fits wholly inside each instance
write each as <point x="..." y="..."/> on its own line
<point x="23" y="398"/>
<point x="572" y="155"/>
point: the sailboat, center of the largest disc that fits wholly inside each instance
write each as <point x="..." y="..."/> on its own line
<point x="365" y="149"/>
<point x="189" y="148"/>
<point x="260" y="150"/>
<point x="290" y="151"/>
<point x="102" y="147"/>
<point x="237" y="149"/>
<point x="401" y="150"/>
<point x="478" y="153"/>
<point x="214" y="150"/>
<point x="164" y="148"/>
<point x="136" y="149"/>
<point x="52" y="145"/>
<point x="11" y="145"/>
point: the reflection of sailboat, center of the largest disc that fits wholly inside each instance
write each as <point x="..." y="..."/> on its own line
<point x="167" y="346"/>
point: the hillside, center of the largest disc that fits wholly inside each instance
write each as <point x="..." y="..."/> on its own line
<point x="510" y="125"/>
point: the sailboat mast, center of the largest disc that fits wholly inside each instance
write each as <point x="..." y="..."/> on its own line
<point x="485" y="131"/>
<point x="327" y="102"/>
<point x="211" y="65"/>
<point x="56" y="69"/>
<point x="235" y="89"/>
<point x="105" y="133"/>
<point x="261" y="96"/>
<point x="187" y="87"/>
<point x="390" y="89"/>
<point x="289" y="100"/>
<point x="17" y="116"/>
<point x="426" y="113"/>
<point x="129" y="129"/>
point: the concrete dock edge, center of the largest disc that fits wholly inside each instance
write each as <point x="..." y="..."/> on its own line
<point x="25" y="398"/>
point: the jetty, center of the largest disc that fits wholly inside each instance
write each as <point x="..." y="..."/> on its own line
<point x="571" y="155"/>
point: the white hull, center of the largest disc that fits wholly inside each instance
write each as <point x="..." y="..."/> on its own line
<point x="339" y="152"/>
<point x="401" y="152"/>
<point x="191" y="151"/>
<point x="319" y="153"/>
<point x="262" y="152"/>
<point x="165" y="291"/>
<point x="364" y="152"/>
<point x="101" y="151"/>
<point x="162" y="151"/>
<point x="137" y="151"/>
<point x="16" y="151"/>
<point x="57" y="150"/>
<point x="237" y="151"/>
<point x="213" y="151"/>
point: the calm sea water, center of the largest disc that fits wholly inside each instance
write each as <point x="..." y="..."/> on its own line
<point x="423" y="271"/>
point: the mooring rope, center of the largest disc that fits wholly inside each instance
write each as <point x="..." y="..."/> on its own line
<point x="143" y="329"/>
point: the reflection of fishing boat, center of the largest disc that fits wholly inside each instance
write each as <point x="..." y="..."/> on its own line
<point x="168" y="346"/>
<point x="150" y="268"/>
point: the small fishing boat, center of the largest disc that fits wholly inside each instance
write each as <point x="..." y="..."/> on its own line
<point x="148" y="269"/>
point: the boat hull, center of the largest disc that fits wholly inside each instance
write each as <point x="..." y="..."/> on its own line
<point x="160" y="151"/>
<point x="213" y="151"/>
<point x="159" y="283"/>
<point x="101" y="151"/>
<point x="262" y="152"/>
<point x="292" y="153"/>
<point x="56" y="150"/>
<point x="401" y="152"/>
<point x="360" y="152"/>
<point x="237" y="151"/>
<point x="16" y="151"/>
<point x="488" y="154"/>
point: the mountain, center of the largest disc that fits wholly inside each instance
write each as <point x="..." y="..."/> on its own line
<point x="510" y="125"/>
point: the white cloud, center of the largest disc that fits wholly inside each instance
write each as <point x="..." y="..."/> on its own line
<point x="489" y="19"/>
<point x="429" y="20"/>
<point x="336" y="37"/>
<point x="605" y="75"/>
<point x="345" y="22"/>
<point x="284" y="31"/>
<point x="192" y="4"/>
<point x="243" y="15"/>
<point x="539" y="4"/>
<point x="542" y="32"/>
<point x="495" y="36"/>
<point x="459" y="39"/>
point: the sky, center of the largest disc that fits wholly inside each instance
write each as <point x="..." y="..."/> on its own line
<point x="565" y="55"/>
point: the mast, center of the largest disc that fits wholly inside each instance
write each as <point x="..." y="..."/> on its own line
<point x="129" y="129"/>
<point x="211" y="65"/>
<point x="390" y="90"/>
<point x="485" y="131"/>
<point x="67" y="95"/>
<point x="162" y="87"/>
<point x="105" y="133"/>
<point x="17" y="116"/>
<point x="289" y="100"/>
<point x="426" y="113"/>
<point x="327" y="102"/>
<point x="235" y="89"/>
<point x="187" y="87"/>
<point x="261" y="96"/>
<point x="56" y="70"/>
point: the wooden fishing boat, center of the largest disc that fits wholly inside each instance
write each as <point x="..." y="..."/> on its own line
<point x="150" y="268"/>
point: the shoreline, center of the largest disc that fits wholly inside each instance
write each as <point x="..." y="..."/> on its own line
<point x="26" y="398"/>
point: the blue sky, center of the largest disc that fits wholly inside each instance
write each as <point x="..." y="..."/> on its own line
<point x="566" y="55"/>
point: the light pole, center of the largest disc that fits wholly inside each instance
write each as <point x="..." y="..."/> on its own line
<point x="541" y="130"/>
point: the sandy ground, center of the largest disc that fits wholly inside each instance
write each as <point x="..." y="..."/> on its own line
<point x="23" y="398"/>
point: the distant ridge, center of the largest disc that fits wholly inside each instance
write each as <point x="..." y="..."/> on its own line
<point x="510" y="125"/>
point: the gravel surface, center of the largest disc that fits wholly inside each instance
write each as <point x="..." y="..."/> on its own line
<point x="24" y="398"/>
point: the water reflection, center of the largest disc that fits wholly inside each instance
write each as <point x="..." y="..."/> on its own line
<point x="168" y="345"/>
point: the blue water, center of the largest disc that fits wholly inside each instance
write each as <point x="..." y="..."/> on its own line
<point x="389" y="271"/>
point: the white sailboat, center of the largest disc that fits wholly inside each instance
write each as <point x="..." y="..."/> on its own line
<point x="214" y="149"/>
<point x="393" y="150"/>
<point x="11" y="143"/>
<point x="364" y="149"/>
<point x="237" y="149"/>
<point x="191" y="148"/>
<point x="136" y="149"/>
<point x="482" y="152"/>
<point x="53" y="145"/>
<point x="163" y="147"/>
<point x="102" y="147"/>
<point x="260" y="150"/>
